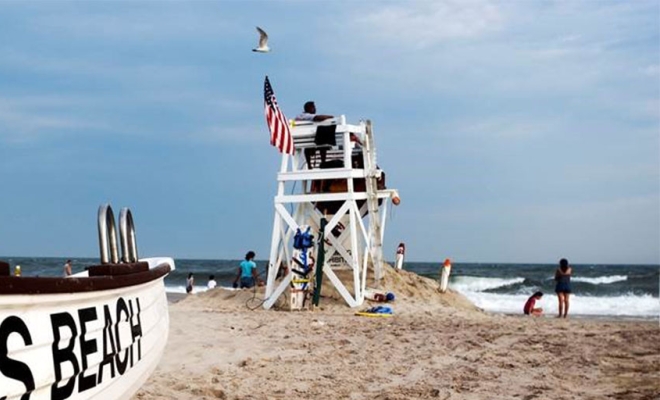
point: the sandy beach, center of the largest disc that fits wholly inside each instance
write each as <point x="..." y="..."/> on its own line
<point x="436" y="346"/>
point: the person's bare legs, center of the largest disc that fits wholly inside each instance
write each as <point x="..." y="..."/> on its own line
<point x="560" y="298"/>
<point x="566" y="302"/>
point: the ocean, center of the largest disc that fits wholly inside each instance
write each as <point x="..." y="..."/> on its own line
<point x="599" y="290"/>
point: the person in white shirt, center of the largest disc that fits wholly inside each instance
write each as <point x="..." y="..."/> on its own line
<point x="212" y="282"/>
<point x="400" y="253"/>
<point x="309" y="114"/>
<point x="67" y="268"/>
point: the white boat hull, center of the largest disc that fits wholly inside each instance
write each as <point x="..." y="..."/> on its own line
<point x="99" y="344"/>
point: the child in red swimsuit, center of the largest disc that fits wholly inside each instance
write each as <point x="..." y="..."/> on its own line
<point x="529" y="308"/>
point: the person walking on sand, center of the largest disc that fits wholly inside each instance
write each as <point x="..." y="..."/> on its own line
<point x="529" y="308"/>
<point x="67" y="268"/>
<point x="190" y="281"/>
<point x="247" y="272"/>
<point x="563" y="286"/>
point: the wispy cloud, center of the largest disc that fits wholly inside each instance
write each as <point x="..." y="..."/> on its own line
<point x="425" y="24"/>
<point x="29" y="118"/>
<point x="136" y="21"/>
<point x="252" y="133"/>
<point x="651" y="70"/>
<point x="100" y="68"/>
<point x="512" y="127"/>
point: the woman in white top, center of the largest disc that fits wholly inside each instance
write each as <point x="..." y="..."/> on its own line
<point x="67" y="268"/>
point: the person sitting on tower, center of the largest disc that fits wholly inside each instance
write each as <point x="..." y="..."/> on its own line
<point x="309" y="114"/>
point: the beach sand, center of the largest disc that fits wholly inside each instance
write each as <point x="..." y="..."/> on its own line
<point x="436" y="346"/>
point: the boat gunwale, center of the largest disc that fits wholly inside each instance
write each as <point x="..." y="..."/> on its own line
<point x="20" y="285"/>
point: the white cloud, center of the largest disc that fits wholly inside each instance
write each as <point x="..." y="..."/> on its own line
<point x="136" y="21"/>
<point x="28" y="118"/>
<point x="104" y="70"/>
<point x="504" y="127"/>
<point x="570" y="38"/>
<point x="639" y="108"/>
<point x="252" y="133"/>
<point x="651" y="70"/>
<point x="425" y="24"/>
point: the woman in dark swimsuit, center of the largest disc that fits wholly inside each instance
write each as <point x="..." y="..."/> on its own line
<point x="563" y="287"/>
<point x="190" y="282"/>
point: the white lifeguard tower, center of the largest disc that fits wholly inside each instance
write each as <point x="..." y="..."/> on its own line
<point x="333" y="174"/>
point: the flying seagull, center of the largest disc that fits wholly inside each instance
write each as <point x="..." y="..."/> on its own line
<point x="263" y="42"/>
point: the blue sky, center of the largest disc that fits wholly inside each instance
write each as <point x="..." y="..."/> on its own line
<point x="514" y="131"/>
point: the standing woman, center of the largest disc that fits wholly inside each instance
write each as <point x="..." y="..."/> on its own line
<point x="67" y="268"/>
<point x="400" y="253"/>
<point x="190" y="282"/>
<point x="563" y="287"/>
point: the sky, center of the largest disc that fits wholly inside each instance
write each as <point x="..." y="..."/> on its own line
<point x="515" y="131"/>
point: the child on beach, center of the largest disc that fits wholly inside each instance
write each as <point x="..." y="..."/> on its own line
<point x="212" y="283"/>
<point x="529" y="308"/>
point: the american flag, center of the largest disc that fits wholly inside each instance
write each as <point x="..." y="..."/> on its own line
<point x="280" y="135"/>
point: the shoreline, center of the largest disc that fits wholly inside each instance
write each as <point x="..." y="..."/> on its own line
<point x="587" y="317"/>
<point x="173" y="298"/>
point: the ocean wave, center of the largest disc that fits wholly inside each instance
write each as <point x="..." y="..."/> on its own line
<point x="601" y="279"/>
<point x="619" y="306"/>
<point x="480" y="283"/>
<point x="196" y="289"/>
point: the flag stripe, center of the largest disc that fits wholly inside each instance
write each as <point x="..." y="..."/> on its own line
<point x="280" y="134"/>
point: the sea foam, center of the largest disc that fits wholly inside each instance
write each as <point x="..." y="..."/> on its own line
<point x="629" y="305"/>
<point x="480" y="284"/>
<point x="601" y="279"/>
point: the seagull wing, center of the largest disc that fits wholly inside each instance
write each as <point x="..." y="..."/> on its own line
<point x="263" y="38"/>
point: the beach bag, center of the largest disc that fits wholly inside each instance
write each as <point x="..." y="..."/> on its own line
<point x="303" y="240"/>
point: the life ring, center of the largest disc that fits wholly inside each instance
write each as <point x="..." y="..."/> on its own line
<point x="396" y="200"/>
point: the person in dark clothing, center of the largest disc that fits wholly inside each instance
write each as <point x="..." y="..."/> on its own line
<point x="563" y="286"/>
<point x="190" y="282"/>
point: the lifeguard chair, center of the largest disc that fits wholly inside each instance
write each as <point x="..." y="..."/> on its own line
<point x="334" y="175"/>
